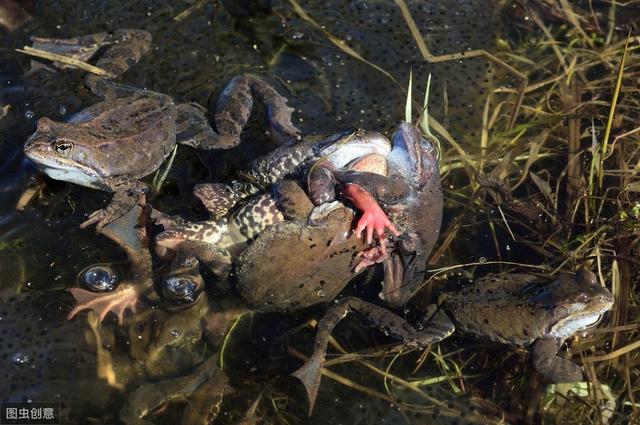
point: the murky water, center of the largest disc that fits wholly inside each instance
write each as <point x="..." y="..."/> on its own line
<point x="197" y="47"/>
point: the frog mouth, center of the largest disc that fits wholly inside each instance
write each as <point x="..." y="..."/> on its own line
<point x="61" y="170"/>
<point x="584" y="316"/>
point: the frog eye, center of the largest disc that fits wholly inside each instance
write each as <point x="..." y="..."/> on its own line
<point x="99" y="278"/>
<point x="63" y="147"/>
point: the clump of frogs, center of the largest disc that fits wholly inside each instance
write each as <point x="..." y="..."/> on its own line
<point x="328" y="253"/>
<point x="113" y="144"/>
<point x="271" y="194"/>
<point x="217" y="242"/>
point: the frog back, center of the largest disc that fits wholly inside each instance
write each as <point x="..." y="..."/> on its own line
<point x="125" y="136"/>
<point x="293" y="265"/>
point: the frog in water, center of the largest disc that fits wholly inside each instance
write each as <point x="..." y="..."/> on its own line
<point x="113" y="144"/>
<point x="213" y="243"/>
<point x="526" y="309"/>
<point x="329" y="255"/>
<point x="275" y="198"/>
<point x="514" y="309"/>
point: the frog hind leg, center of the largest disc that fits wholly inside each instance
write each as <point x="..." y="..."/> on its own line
<point x="553" y="368"/>
<point x="438" y="328"/>
<point x="128" y="46"/>
<point x="235" y="103"/>
<point x="125" y="48"/>
<point x="256" y="215"/>
<point x="193" y="129"/>
<point x="292" y="200"/>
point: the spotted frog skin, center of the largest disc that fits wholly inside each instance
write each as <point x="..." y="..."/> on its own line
<point x="279" y="197"/>
<point x="113" y="144"/>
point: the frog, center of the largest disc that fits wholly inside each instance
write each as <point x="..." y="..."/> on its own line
<point x="517" y="309"/>
<point x="276" y="197"/>
<point x="114" y="143"/>
<point x="521" y="310"/>
<point x="329" y="254"/>
<point x="131" y="232"/>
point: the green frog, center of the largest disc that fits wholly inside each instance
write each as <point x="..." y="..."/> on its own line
<point x="515" y="309"/>
<point x="113" y="144"/>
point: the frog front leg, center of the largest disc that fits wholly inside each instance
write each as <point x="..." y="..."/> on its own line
<point x="365" y="190"/>
<point x="553" y="368"/>
<point x="438" y="328"/>
<point x="127" y="193"/>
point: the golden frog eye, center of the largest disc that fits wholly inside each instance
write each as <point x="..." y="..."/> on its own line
<point x="63" y="147"/>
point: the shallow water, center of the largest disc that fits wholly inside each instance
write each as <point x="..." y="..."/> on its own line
<point x="42" y="249"/>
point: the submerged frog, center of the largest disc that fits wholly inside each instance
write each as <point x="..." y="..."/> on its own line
<point x="113" y="144"/>
<point x="514" y="309"/>
<point x="216" y="242"/>
<point x="524" y="309"/>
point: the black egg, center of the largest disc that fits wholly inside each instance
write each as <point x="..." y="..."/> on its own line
<point x="180" y="289"/>
<point x="99" y="278"/>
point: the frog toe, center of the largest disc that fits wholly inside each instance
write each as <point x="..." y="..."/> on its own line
<point x="124" y="298"/>
<point x="121" y="204"/>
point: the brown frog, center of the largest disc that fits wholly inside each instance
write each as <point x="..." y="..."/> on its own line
<point x="113" y="144"/>
<point x="327" y="253"/>
<point x="216" y="242"/>
<point x="514" y="309"/>
<point x="526" y="309"/>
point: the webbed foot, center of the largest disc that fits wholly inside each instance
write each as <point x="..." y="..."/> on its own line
<point x="123" y="298"/>
<point x="310" y="374"/>
<point x="439" y="327"/>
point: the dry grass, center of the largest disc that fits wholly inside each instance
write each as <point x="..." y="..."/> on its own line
<point x="556" y="174"/>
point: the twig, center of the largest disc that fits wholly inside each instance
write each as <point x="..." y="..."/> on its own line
<point x="66" y="60"/>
